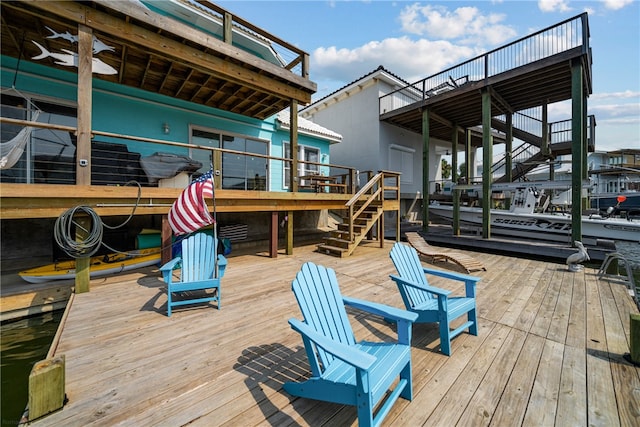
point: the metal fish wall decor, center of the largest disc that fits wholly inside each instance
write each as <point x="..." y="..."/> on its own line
<point x="70" y="59"/>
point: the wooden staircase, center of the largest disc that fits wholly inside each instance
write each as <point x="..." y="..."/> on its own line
<point x="363" y="211"/>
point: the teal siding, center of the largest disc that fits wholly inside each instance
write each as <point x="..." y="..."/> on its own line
<point x="124" y="110"/>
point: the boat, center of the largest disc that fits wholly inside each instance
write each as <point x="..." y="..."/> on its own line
<point x="524" y="219"/>
<point x="626" y="200"/>
<point x="98" y="266"/>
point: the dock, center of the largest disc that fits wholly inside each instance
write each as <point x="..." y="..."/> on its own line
<point x="549" y="350"/>
<point x="471" y="239"/>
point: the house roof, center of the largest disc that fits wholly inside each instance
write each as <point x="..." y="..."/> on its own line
<point x="381" y="72"/>
<point x="307" y="127"/>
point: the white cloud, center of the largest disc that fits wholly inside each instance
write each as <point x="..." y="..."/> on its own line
<point x="609" y="111"/>
<point x="554" y="5"/>
<point x="616" y="4"/>
<point x="467" y="25"/>
<point x="410" y="59"/>
<point x="615" y="95"/>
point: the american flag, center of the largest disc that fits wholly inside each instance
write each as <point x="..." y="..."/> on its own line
<point x="189" y="212"/>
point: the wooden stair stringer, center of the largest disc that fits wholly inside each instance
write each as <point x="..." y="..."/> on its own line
<point x="337" y="245"/>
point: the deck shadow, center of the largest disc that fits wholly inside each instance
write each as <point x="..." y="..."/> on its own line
<point x="267" y="368"/>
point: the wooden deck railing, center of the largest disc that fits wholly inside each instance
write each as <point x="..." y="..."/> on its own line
<point x="64" y="170"/>
<point x="375" y="191"/>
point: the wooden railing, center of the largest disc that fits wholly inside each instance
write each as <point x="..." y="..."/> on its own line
<point x="294" y="59"/>
<point x="65" y="171"/>
<point x="375" y="190"/>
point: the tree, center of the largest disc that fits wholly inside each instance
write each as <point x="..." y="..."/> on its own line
<point x="463" y="169"/>
<point x="446" y="169"/>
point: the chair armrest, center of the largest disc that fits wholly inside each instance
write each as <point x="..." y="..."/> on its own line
<point x="469" y="281"/>
<point x="167" y="269"/>
<point x="451" y="275"/>
<point x="403" y="318"/>
<point x="383" y="310"/>
<point x="438" y="291"/>
<point x="354" y="357"/>
<point x="222" y="265"/>
<point x="171" y="264"/>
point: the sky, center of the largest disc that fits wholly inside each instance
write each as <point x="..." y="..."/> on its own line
<point x="413" y="40"/>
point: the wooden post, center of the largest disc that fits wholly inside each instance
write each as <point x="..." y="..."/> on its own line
<point x="509" y="155"/>
<point x="425" y="169"/>
<point x="273" y="235"/>
<point x="165" y="238"/>
<point x="83" y="268"/>
<point x="46" y="387"/>
<point x="634" y="340"/>
<point x="85" y="65"/>
<point x="577" y="136"/>
<point x="487" y="160"/>
<point x="289" y="225"/>
<point x="293" y="144"/>
<point x="454" y="153"/>
<point x="456" y="193"/>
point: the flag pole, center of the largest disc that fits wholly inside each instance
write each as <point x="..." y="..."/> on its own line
<point x="215" y="219"/>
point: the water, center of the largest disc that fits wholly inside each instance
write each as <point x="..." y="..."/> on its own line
<point x="22" y="344"/>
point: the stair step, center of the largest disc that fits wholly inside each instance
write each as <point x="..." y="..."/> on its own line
<point x="337" y="242"/>
<point x="332" y="250"/>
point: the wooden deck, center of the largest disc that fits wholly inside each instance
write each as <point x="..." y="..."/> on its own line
<point x="549" y="350"/>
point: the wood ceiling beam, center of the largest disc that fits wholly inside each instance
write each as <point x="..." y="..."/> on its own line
<point x="501" y="101"/>
<point x="169" y="48"/>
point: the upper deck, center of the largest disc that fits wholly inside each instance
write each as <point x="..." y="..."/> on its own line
<point x="529" y="72"/>
<point x="225" y="62"/>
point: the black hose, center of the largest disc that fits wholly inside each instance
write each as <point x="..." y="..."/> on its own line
<point x="65" y="234"/>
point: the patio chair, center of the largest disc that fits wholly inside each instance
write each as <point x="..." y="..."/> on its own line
<point x="342" y="370"/>
<point x="434" y="304"/>
<point x="466" y="262"/>
<point x="200" y="273"/>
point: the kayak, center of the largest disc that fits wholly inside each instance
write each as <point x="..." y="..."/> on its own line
<point x="99" y="266"/>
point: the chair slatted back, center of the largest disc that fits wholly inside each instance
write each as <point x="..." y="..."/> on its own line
<point x="409" y="267"/>
<point x="320" y="301"/>
<point x="198" y="257"/>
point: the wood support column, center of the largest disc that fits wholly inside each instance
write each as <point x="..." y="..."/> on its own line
<point x="577" y="143"/>
<point x="166" y="240"/>
<point x="487" y="160"/>
<point x="454" y="180"/>
<point x="273" y="235"/>
<point x="85" y="65"/>
<point x="83" y="147"/>
<point x="293" y="144"/>
<point x="467" y="157"/>
<point x="289" y="224"/>
<point x="508" y="165"/>
<point x="425" y="170"/>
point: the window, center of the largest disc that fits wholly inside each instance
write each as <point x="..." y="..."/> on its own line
<point x="305" y="154"/>
<point x="239" y="171"/>
<point x="49" y="155"/>
<point x="401" y="160"/>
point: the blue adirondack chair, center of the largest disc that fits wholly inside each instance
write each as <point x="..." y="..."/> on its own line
<point x="434" y="304"/>
<point x="342" y="370"/>
<point x="198" y="272"/>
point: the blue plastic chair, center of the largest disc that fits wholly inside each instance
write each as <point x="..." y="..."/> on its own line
<point x="198" y="272"/>
<point x="342" y="370"/>
<point x="434" y="304"/>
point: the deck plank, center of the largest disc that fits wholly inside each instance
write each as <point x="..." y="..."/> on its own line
<point x="549" y="349"/>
